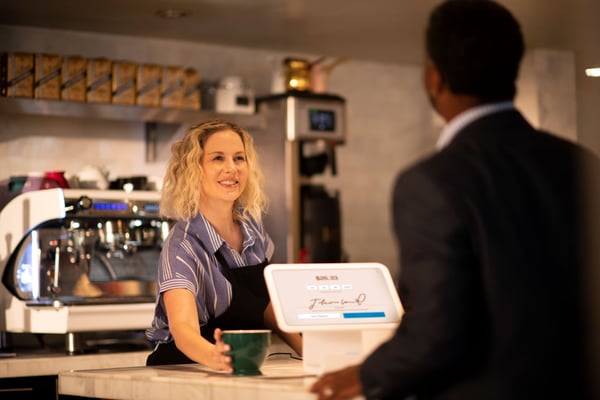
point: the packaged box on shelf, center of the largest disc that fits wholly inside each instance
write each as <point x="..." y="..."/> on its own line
<point x="191" y="91"/>
<point x="172" y="87"/>
<point x="124" y="75"/>
<point x="74" y="84"/>
<point x="16" y="74"/>
<point x="148" y="85"/>
<point x="99" y="80"/>
<point x="47" y="76"/>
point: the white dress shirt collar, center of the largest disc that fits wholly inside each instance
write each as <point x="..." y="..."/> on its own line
<point x="463" y="119"/>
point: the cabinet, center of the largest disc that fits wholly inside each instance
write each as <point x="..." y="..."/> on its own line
<point x="26" y="388"/>
<point x="154" y="118"/>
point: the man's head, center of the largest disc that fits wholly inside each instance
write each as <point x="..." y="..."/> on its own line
<point x="476" y="46"/>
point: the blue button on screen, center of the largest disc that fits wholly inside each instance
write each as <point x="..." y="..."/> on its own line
<point x="376" y="314"/>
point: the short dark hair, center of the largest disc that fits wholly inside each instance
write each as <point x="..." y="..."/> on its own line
<point x="477" y="46"/>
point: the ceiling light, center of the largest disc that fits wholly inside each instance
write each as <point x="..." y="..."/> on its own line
<point x="173" y="13"/>
<point x="593" y="72"/>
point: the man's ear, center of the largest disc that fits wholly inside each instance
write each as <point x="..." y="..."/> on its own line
<point x="432" y="79"/>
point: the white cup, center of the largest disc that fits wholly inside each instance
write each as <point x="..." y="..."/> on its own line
<point x="92" y="177"/>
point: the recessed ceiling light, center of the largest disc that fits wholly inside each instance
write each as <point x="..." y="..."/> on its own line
<point x="593" y="72"/>
<point x="173" y="13"/>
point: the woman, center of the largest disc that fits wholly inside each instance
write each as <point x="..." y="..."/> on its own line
<point x="210" y="274"/>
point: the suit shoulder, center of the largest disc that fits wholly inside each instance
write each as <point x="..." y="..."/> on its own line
<point x="433" y="167"/>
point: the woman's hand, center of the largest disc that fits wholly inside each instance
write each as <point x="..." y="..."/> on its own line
<point x="185" y="327"/>
<point x="220" y="361"/>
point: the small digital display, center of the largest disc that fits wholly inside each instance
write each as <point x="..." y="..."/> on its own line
<point x="151" y="207"/>
<point x="322" y="120"/>
<point x="110" y="206"/>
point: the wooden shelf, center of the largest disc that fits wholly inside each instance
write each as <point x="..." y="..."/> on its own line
<point x="72" y="109"/>
<point x="153" y="117"/>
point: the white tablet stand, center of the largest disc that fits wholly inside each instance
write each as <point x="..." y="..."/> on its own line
<point x="343" y="310"/>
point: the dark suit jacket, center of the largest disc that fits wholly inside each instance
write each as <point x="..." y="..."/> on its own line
<point x="489" y="231"/>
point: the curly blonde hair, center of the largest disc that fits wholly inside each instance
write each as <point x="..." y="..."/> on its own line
<point x="181" y="196"/>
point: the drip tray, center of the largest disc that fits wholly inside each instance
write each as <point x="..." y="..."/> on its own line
<point x="87" y="342"/>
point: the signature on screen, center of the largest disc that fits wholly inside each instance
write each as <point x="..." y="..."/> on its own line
<point x="321" y="301"/>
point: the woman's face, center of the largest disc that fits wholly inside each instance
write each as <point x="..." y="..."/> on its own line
<point x="225" y="167"/>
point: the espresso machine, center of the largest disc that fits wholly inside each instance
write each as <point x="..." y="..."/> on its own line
<point x="298" y="144"/>
<point x="75" y="261"/>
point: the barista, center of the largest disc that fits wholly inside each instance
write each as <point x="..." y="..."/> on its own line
<point x="210" y="273"/>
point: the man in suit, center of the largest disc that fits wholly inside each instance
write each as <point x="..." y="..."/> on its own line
<point x="491" y="236"/>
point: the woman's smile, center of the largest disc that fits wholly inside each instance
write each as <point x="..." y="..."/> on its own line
<point x="229" y="184"/>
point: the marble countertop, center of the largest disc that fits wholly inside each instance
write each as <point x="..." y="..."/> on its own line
<point x="51" y="364"/>
<point x="282" y="378"/>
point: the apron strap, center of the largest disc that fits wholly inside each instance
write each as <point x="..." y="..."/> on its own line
<point x="224" y="266"/>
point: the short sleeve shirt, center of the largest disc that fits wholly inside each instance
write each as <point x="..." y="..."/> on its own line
<point x="188" y="261"/>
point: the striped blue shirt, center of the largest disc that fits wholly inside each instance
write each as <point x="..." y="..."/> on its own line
<point x="188" y="261"/>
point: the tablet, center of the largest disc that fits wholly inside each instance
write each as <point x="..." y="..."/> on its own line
<point x="332" y="296"/>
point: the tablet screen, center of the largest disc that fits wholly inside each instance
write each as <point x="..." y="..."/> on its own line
<point x="313" y="296"/>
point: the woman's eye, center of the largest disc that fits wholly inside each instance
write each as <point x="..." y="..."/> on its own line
<point x="240" y="158"/>
<point x="218" y="158"/>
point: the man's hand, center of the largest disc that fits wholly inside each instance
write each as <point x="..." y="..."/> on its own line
<point x="339" y="385"/>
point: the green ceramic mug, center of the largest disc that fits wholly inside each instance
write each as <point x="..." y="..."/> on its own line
<point x="248" y="349"/>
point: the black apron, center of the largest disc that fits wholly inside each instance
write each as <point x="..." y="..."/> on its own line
<point x="248" y="303"/>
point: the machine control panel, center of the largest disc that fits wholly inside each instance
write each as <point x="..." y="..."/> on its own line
<point x="316" y="117"/>
<point x="90" y="205"/>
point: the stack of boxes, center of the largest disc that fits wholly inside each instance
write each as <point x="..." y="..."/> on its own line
<point x="16" y="74"/>
<point x="74" y="79"/>
<point x="98" y="80"/>
<point x="47" y="79"/>
<point x="148" y="85"/>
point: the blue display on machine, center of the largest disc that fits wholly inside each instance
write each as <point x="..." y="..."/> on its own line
<point x="111" y="206"/>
